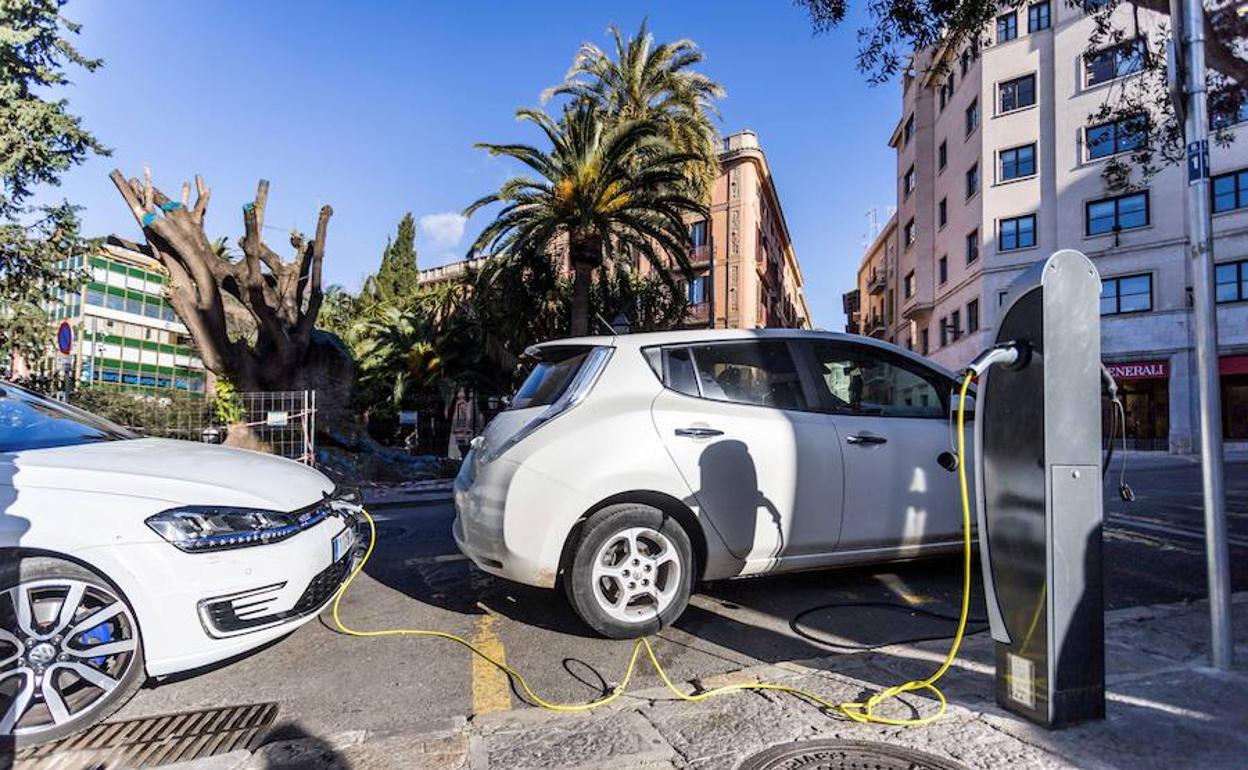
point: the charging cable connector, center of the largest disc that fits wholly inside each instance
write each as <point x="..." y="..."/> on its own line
<point x="1011" y="355"/>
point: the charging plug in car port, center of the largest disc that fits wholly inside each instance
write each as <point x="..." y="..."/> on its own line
<point x="948" y="461"/>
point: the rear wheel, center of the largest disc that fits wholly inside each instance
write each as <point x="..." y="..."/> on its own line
<point x="631" y="571"/>
<point x="70" y="651"/>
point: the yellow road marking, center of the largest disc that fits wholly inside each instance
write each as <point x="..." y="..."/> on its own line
<point x="491" y="690"/>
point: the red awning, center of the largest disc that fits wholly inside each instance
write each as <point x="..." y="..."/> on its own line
<point x="1233" y="365"/>
<point x="1139" y="370"/>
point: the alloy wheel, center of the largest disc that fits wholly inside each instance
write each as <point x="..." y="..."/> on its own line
<point x="65" y="646"/>
<point x="636" y="574"/>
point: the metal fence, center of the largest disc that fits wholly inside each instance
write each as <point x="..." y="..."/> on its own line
<point x="280" y="422"/>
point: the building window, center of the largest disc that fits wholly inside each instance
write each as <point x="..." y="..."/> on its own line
<point x="1122" y="212"/>
<point x="907" y="182"/>
<point x="1007" y="27"/>
<point x="1225" y="115"/>
<point x="943" y="270"/>
<point x="908" y="234"/>
<point x="972" y="316"/>
<point x="1017" y="93"/>
<point x="695" y="291"/>
<point x="942" y="156"/>
<point x="942" y="212"/>
<point x="972" y="180"/>
<point x="1122" y="135"/>
<point x="923" y="342"/>
<point x="1114" y="62"/>
<point x="1231" y="281"/>
<point x="972" y="246"/>
<point x="1038" y="16"/>
<point x="697" y="234"/>
<point x="944" y="332"/>
<point x="955" y="325"/>
<point x="1230" y="191"/>
<point x="1018" y="162"/>
<point x="946" y="91"/>
<point x="907" y="285"/>
<point x="907" y="133"/>
<point x="972" y="117"/>
<point x="1017" y="233"/>
<point x="1127" y="294"/>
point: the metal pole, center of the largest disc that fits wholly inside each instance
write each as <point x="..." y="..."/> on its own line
<point x="1200" y="245"/>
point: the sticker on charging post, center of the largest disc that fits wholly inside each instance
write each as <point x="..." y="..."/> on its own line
<point x="1022" y="680"/>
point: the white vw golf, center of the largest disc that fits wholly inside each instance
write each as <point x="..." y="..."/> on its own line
<point x="123" y="558"/>
<point x="629" y="468"/>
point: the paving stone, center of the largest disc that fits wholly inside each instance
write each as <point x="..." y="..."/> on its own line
<point x="743" y="722"/>
<point x="599" y="740"/>
<point x="234" y="760"/>
<point x="447" y="752"/>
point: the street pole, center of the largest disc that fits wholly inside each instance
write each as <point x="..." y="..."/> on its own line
<point x="1191" y="22"/>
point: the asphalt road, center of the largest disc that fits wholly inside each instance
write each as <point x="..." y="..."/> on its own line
<point x="328" y="683"/>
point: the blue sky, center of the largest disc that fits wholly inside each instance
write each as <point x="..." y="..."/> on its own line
<point x="373" y="107"/>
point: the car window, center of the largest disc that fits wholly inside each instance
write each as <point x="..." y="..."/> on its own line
<point x="555" y="369"/>
<point x="864" y="381"/>
<point x="759" y="372"/>
<point x="31" y="421"/>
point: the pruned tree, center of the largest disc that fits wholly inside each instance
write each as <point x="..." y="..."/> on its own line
<point x="281" y="297"/>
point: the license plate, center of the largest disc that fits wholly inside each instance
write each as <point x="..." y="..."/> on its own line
<point x="344" y="542"/>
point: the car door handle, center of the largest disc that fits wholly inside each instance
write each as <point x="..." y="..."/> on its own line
<point x="866" y="438"/>
<point x="698" y="432"/>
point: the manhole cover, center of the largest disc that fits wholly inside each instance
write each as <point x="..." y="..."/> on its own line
<point x="844" y="755"/>
<point x="153" y="741"/>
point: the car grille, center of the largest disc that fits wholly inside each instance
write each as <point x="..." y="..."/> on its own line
<point x="240" y="613"/>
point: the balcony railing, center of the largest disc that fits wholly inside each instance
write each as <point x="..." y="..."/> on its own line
<point x="699" y="255"/>
<point x="874" y="326"/>
<point x="699" y="313"/>
<point x="877" y="283"/>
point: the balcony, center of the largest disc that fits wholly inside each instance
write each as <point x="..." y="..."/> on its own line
<point x="877" y="283"/>
<point x="698" y="315"/>
<point x="874" y="327"/>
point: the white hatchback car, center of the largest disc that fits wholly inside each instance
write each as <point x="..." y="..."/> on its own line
<point x="124" y="557"/>
<point x="629" y="468"/>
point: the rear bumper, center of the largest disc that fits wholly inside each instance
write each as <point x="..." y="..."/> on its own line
<point x="482" y="495"/>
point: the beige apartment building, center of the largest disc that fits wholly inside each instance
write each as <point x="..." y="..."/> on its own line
<point x="745" y="271"/>
<point x="999" y="165"/>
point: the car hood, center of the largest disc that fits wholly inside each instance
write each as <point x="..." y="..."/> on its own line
<point x="179" y="472"/>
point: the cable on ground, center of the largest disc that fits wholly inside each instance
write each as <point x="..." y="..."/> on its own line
<point x="863" y="711"/>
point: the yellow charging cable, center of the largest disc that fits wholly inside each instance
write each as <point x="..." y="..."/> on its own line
<point x="859" y="712"/>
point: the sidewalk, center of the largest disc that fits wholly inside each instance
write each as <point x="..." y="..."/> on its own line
<point x="1164" y="708"/>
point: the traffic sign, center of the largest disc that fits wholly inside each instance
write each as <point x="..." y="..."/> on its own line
<point x="65" y="337"/>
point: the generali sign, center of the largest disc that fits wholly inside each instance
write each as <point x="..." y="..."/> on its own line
<point x="1142" y="370"/>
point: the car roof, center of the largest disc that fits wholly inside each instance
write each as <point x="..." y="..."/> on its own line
<point x="686" y="336"/>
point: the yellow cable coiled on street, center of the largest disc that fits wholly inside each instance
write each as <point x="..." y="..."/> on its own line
<point x="859" y="712"/>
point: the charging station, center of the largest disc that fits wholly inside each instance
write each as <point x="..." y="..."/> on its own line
<point x="1038" y="457"/>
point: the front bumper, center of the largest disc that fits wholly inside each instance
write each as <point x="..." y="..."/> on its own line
<point x="195" y="609"/>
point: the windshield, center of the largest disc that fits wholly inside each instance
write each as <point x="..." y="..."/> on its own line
<point x="550" y="377"/>
<point x="31" y="421"/>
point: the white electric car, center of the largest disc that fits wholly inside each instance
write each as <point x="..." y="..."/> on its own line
<point x="629" y="468"/>
<point x="124" y="557"/>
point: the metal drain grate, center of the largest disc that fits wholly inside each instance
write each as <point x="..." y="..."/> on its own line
<point x="844" y="755"/>
<point x="153" y="741"/>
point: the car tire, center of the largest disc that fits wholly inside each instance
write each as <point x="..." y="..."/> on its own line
<point x="631" y="571"/>
<point x="90" y="687"/>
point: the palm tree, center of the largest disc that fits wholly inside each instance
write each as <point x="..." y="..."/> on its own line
<point x="601" y="190"/>
<point x="645" y="81"/>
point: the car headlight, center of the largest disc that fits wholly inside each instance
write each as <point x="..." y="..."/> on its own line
<point x="211" y="528"/>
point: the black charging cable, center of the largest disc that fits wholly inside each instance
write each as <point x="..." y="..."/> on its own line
<point x="798" y="627"/>
<point x="1117" y="422"/>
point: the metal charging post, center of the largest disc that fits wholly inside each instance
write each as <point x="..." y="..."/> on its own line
<point x="1038" y="479"/>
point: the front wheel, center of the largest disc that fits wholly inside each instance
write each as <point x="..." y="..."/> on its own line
<point x="631" y="572"/>
<point x="70" y="651"/>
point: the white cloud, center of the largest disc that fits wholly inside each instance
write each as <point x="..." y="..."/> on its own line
<point x="445" y="230"/>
